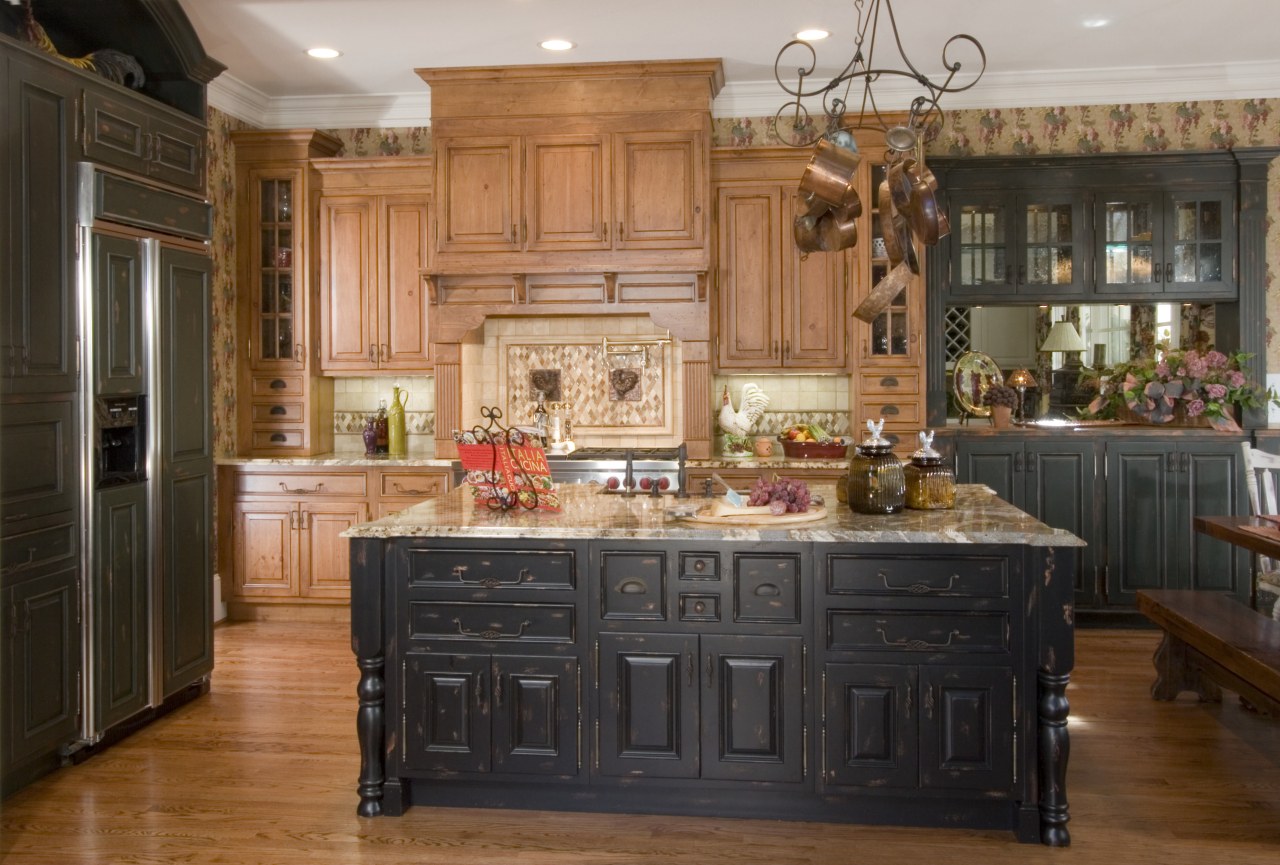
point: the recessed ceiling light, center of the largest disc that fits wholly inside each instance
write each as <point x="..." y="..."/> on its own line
<point x="557" y="44"/>
<point x="812" y="35"/>
<point x="1094" y="23"/>
<point x="324" y="53"/>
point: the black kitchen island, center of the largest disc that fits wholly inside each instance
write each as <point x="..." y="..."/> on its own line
<point x="907" y="669"/>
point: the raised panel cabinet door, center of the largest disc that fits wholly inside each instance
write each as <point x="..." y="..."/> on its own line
<point x="535" y="715"/>
<point x="479" y="204"/>
<point x="115" y="133"/>
<point x="659" y="181"/>
<point x="121" y="630"/>
<point x="348" y="293"/>
<point x="1061" y="491"/>
<point x="404" y="308"/>
<point x="118" y="313"/>
<point x="266" y="549"/>
<point x="43" y="678"/>
<point x="870" y="735"/>
<point x="647" y="692"/>
<point x="816" y="335"/>
<point x="446" y="713"/>
<point x="996" y="464"/>
<point x="177" y="152"/>
<point x="1212" y="485"/>
<point x="967" y="729"/>
<point x="568" y="195"/>
<point x="749" y="263"/>
<point x="38" y="467"/>
<point x="325" y="555"/>
<point x="752" y="708"/>
<point x="1141" y="503"/>
<point x="40" y="349"/>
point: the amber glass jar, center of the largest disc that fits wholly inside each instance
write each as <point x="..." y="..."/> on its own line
<point x="931" y="485"/>
<point x="877" y="484"/>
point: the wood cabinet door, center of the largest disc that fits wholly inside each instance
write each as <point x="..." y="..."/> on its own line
<point x="1052" y="245"/>
<point x="749" y="275"/>
<point x="177" y="152"/>
<point x="1200" y="245"/>
<point x="752" y="708"/>
<point x="325" y="555"/>
<point x="816" y="298"/>
<point x="266" y="550"/>
<point x="121" y="630"/>
<point x="446" y="713"/>
<point x="659" y="178"/>
<point x="348" y="295"/>
<point x="870" y="738"/>
<point x="568" y="196"/>
<point x="647" y="692"/>
<point x="1061" y="490"/>
<point x="1130" y="243"/>
<point x="1141" y="489"/>
<point x="966" y="728"/>
<point x="117" y="301"/>
<point x="479" y="179"/>
<point x="535" y="715"/>
<point x="402" y="300"/>
<point x="38" y="466"/>
<point x="996" y="464"/>
<point x="982" y="244"/>
<point x="1212" y="485"/>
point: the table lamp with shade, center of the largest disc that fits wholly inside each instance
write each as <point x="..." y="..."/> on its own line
<point x="1020" y="380"/>
<point x="1064" y="337"/>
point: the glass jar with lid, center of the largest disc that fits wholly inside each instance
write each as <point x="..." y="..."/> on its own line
<point x="931" y="484"/>
<point x="877" y="484"/>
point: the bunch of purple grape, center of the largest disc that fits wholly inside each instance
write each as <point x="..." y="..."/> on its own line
<point x="782" y="495"/>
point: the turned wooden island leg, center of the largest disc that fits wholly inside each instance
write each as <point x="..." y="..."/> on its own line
<point x="1055" y="750"/>
<point x="366" y="643"/>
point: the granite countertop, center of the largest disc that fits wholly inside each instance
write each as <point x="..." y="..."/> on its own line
<point x="427" y="457"/>
<point x="980" y="517"/>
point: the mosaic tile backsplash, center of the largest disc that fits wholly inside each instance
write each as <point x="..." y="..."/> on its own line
<point x="356" y="399"/>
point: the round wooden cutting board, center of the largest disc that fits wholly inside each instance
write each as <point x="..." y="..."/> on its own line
<point x="815" y="512"/>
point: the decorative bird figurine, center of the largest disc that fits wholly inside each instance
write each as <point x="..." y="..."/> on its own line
<point x="737" y="425"/>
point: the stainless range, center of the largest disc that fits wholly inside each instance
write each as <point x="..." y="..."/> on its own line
<point x="651" y="471"/>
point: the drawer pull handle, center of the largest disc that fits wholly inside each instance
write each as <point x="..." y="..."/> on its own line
<point x="278" y="384"/>
<point x="917" y="645"/>
<point x="632" y="587"/>
<point x="279" y="437"/>
<point x="918" y="588"/>
<point x="700" y="565"/>
<point x="889" y="409"/>
<point x="21" y="566"/>
<point x="279" y="409"/>
<point x="302" y="491"/>
<point x="767" y="590"/>
<point x="13" y="518"/>
<point x="492" y="633"/>
<point x="410" y="491"/>
<point x="889" y="381"/>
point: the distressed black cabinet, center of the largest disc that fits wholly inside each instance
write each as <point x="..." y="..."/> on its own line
<point x="1054" y="480"/>
<point x="712" y="707"/>
<point x="119" y="612"/>
<point x="118" y="307"/>
<point x="1155" y="489"/>
<point x="143" y="138"/>
<point x="492" y="713"/>
<point x="38" y="466"/>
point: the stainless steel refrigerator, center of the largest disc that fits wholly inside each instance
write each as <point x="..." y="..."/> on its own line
<point x="145" y="283"/>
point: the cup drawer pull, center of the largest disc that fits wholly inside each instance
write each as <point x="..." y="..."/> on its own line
<point x="279" y="437"/>
<point x="278" y="384"/>
<point x="632" y="587"/>
<point x="767" y="590"/>
<point x="890" y="410"/>
<point x="889" y="381"/>
<point x="279" y="409"/>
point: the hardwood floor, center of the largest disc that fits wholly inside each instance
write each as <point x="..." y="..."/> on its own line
<point x="262" y="772"/>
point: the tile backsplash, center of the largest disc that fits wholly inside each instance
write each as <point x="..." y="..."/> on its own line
<point x="355" y="399"/>
<point x="793" y="399"/>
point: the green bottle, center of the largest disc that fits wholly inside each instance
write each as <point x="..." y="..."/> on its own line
<point x="397" y="440"/>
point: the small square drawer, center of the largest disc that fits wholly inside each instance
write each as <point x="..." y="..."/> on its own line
<point x="301" y="483"/>
<point x="269" y="439"/>
<point x="915" y="631"/>
<point x="284" y="411"/>
<point x="699" y="566"/>
<point x="917" y="576"/>
<point x="415" y="484"/>
<point x="766" y="589"/>
<point x="699" y="608"/>
<point x="871" y="383"/>
<point x="276" y="385"/>
<point x="633" y="585"/>
<point x="462" y="620"/>
<point x="492" y="569"/>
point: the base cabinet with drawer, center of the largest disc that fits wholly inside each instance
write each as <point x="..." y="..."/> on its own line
<point x="875" y="682"/>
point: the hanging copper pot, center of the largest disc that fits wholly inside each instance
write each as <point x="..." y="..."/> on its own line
<point x="897" y="234"/>
<point x="838" y="229"/>
<point x="831" y="175"/>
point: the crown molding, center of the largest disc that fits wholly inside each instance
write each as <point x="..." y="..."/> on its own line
<point x="763" y="98"/>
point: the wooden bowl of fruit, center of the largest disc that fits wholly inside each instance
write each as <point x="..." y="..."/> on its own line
<point x="811" y="442"/>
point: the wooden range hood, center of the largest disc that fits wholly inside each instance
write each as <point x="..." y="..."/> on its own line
<point x="571" y="190"/>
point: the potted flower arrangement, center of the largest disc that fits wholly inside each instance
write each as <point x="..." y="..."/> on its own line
<point x="1002" y="400"/>
<point x="1181" y="387"/>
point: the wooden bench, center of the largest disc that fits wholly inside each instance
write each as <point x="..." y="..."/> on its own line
<point x="1211" y="641"/>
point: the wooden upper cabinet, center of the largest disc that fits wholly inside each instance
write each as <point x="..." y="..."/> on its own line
<point x="817" y="292"/>
<point x="348" y="309"/>
<point x="661" y="181"/>
<point x="479" y="179"/>
<point x="568" y="196"/>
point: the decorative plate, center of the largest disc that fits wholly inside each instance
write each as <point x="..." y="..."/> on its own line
<point x="975" y="373"/>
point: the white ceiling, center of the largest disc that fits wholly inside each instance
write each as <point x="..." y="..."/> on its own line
<point x="1039" y="52"/>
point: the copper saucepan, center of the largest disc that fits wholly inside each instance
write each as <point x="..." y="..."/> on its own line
<point x="831" y="175"/>
<point x="897" y="235"/>
<point x="838" y="229"/>
<point x="805" y="226"/>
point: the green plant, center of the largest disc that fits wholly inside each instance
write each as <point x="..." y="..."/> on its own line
<point x="1209" y="384"/>
<point x="1000" y="395"/>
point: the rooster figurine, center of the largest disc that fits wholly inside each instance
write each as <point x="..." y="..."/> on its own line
<point x="737" y="425"/>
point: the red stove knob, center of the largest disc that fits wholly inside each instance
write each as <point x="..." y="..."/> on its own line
<point x="664" y="483"/>
<point x="612" y="483"/>
<point x="645" y="483"/>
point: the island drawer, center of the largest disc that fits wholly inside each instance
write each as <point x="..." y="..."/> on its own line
<point x="766" y="588"/>
<point x="467" y="620"/>
<point x="633" y="585"/>
<point x="492" y="569"/>
<point x="918" y="576"/>
<point x="917" y="631"/>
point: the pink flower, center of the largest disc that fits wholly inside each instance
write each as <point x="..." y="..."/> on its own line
<point x="1162" y="369"/>
<point x="1195" y="408"/>
<point x="1216" y="360"/>
<point x="1235" y="378"/>
<point x="1216" y="391"/>
<point x="1198" y="367"/>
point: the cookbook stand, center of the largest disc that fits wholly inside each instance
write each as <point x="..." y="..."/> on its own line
<point x="509" y="484"/>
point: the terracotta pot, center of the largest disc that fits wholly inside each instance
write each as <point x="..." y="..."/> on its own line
<point x="1001" y="416"/>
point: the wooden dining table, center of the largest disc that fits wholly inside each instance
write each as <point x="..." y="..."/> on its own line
<point x="1257" y="534"/>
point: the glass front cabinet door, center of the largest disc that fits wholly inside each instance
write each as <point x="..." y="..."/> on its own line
<point x="276" y="319"/>
<point x="1005" y="244"/>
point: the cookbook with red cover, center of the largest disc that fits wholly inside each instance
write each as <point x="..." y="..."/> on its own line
<point x="496" y="471"/>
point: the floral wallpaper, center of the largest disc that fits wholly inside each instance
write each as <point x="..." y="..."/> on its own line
<point x="367" y="142"/>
